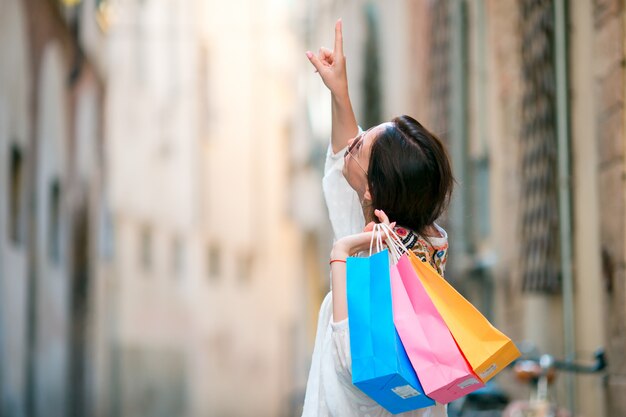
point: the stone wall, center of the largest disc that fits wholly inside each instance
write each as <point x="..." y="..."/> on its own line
<point x="609" y="97"/>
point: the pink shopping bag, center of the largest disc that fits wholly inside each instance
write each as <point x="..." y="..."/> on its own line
<point x="441" y="368"/>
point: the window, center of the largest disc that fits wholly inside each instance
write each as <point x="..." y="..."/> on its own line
<point x="106" y="235"/>
<point x="178" y="264"/>
<point x="54" y="222"/>
<point x="539" y="235"/>
<point x="481" y="197"/>
<point x="204" y="91"/>
<point x="16" y="192"/>
<point x="146" y="249"/>
<point x="214" y="261"/>
<point x="372" y="96"/>
<point x="245" y="264"/>
<point x="439" y="71"/>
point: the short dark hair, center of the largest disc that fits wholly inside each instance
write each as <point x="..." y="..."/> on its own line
<point x="409" y="174"/>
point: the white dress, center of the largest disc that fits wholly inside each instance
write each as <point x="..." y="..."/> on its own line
<point x="330" y="392"/>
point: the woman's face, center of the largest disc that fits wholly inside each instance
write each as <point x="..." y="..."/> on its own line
<point x="357" y="158"/>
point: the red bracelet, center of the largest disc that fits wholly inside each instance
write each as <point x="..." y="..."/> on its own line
<point x="336" y="260"/>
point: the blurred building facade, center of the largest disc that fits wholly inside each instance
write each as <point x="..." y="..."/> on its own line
<point x="150" y="259"/>
<point x="51" y="196"/>
<point x="163" y="239"/>
<point x="207" y="275"/>
<point x="536" y="132"/>
<point x="529" y="98"/>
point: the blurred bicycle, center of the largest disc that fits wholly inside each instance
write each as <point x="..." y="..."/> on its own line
<point x="541" y="373"/>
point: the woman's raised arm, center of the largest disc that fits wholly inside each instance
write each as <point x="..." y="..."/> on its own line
<point x="331" y="65"/>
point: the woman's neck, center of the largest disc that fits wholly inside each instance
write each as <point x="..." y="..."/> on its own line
<point x="368" y="213"/>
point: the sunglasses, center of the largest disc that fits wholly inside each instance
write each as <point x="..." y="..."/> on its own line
<point x="356" y="142"/>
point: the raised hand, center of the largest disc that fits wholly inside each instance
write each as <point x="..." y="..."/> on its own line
<point x="331" y="65"/>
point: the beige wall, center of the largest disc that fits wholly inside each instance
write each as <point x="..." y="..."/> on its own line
<point x="199" y="152"/>
<point x="588" y="144"/>
<point x="53" y="276"/>
<point x="15" y="85"/>
<point x="40" y="117"/>
<point x="589" y="296"/>
<point x="216" y="128"/>
<point x="608" y="98"/>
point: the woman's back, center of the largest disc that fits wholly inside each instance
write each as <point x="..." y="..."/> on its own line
<point x="330" y="391"/>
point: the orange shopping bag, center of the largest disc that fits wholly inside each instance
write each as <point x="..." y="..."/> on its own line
<point x="487" y="349"/>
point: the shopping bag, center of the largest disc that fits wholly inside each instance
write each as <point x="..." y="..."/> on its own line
<point x="443" y="371"/>
<point x="487" y="349"/>
<point x="380" y="366"/>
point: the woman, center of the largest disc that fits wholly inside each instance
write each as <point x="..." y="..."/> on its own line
<point x="397" y="170"/>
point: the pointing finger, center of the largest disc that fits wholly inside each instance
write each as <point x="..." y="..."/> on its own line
<point x="339" y="38"/>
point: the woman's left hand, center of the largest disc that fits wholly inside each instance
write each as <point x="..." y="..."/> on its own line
<point x="359" y="242"/>
<point x="343" y="248"/>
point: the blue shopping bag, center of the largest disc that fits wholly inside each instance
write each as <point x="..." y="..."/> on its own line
<point x="380" y="365"/>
